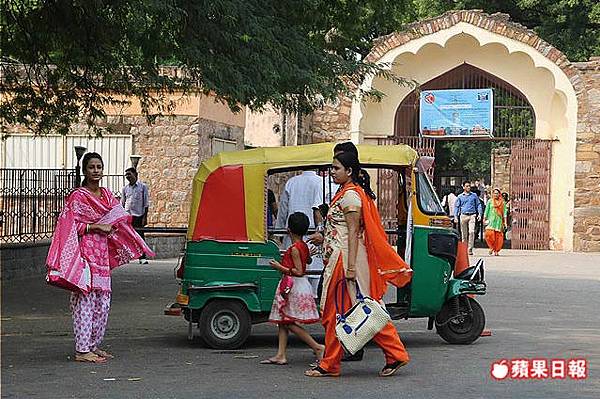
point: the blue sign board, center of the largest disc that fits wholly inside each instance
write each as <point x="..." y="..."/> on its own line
<point x="456" y="113"/>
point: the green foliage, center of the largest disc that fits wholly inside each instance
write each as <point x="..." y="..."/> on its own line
<point x="572" y="26"/>
<point x="472" y="157"/>
<point x="65" y="59"/>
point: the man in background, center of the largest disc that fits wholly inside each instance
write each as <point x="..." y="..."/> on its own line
<point x="468" y="211"/>
<point x="448" y="203"/>
<point x="303" y="193"/>
<point x="135" y="200"/>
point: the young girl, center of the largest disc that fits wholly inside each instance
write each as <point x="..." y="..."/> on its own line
<point x="294" y="302"/>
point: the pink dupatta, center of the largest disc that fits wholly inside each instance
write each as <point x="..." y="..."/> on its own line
<point x="67" y="267"/>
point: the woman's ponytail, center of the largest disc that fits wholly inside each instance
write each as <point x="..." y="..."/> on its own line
<point x="364" y="180"/>
<point x="359" y="175"/>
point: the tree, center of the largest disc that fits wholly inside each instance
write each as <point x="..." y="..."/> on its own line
<point x="470" y="157"/>
<point x="572" y="26"/>
<point x="67" y="59"/>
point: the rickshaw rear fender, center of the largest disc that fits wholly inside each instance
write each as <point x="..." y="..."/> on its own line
<point x="246" y="295"/>
<point x="458" y="287"/>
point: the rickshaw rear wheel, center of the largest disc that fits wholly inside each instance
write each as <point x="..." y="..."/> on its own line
<point x="225" y="324"/>
<point x="464" y="328"/>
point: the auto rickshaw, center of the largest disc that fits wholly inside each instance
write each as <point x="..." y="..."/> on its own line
<point x="227" y="285"/>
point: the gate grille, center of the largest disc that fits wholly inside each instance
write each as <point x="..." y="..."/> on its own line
<point x="530" y="191"/>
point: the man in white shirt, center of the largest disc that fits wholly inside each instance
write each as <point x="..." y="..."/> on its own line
<point x="448" y="202"/>
<point x="135" y="200"/>
<point x="303" y="193"/>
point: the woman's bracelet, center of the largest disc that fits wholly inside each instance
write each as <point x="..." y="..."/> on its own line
<point x="87" y="229"/>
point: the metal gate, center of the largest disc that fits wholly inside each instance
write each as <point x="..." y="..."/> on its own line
<point x="530" y="191"/>
<point x="388" y="180"/>
<point x="30" y="202"/>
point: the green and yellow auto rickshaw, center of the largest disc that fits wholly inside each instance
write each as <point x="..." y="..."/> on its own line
<point x="227" y="285"/>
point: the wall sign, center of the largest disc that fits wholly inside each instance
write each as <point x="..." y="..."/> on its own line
<point x="456" y="113"/>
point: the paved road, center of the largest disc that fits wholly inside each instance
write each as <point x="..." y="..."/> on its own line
<point x="540" y="305"/>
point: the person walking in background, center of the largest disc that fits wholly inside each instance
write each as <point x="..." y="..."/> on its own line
<point x="468" y="211"/>
<point x="303" y="193"/>
<point x="93" y="236"/>
<point x="136" y="201"/>
<point x="271" y="208"/>
<point x="448" y="202"/>
<point x="294" y="302"/>
<point x="495" y="222"/>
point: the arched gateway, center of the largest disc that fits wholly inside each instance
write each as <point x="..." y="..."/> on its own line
<point x="494" y="52"/>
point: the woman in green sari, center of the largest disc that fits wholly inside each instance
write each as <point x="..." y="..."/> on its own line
<point x="494" y="220"/>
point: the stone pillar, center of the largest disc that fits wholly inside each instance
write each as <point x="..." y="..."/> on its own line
<point x="586" y="230"/>
<point x="332" y="122"/>
<point x="500" y="163"/>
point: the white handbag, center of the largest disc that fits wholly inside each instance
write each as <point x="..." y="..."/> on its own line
<point x="361" y="322"/>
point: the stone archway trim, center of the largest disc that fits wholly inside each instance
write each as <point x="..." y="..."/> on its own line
<point x="498" y="23"/>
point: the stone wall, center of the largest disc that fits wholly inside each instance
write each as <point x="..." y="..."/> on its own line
<point x="24" y="260"/>
<point x="171" y="150"/>
<point x="166" y="245"/>
<point x="500" y="163"/>
<point x="331" y="122"/>
<point x="587" y="167"/>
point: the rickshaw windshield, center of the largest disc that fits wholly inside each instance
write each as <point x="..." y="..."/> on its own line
<point x="427" y="198"/>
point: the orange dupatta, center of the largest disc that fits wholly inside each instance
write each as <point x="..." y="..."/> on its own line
<point x="385" y="265"/>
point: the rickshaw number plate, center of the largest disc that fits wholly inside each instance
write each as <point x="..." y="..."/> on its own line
<point x="263" y="261"/>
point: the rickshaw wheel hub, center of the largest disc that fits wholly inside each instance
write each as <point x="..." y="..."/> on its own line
<point x="225" y="325"/>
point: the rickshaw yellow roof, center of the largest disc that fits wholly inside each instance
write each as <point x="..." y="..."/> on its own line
<point x="310" y="154"/>
<point x="248" y="169"/>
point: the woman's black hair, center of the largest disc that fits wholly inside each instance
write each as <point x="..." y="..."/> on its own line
<point x="86" y="159"/>
<point x="350" y="161"/>
<point x="347" y="146"/>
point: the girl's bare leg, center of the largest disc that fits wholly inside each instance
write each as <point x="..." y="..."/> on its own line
<point x="283" y="339"/>
<point x="317" y="348"/>
<point x="280" y="357"/>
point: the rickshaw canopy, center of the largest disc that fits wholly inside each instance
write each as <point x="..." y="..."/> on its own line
<point x="229" y="189"/>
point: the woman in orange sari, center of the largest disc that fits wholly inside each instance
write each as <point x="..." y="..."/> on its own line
<point x="356" y="249"/>
<point x="494" y="220"/>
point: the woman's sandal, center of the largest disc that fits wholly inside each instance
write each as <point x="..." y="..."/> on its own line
<point x="319" y="372"/>
<point x="89" y="357"/>
<point x="390" y="369"/>
<point x="103" y="353"/>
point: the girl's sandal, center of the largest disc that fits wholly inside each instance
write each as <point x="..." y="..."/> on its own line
<point x="390" y="369"/>
<point x="103" y="353"/>
<point x="89" y="357"/>
<point x="319" y="372"/>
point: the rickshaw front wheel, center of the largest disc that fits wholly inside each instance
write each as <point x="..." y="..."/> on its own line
<point x="225" y="324"/>
<point x="462" y="328"/>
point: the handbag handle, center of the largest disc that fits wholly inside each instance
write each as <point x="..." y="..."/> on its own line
<point x="359" y="296"/>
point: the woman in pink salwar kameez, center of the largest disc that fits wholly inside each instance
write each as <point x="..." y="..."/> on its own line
<point x="93" y="236"/>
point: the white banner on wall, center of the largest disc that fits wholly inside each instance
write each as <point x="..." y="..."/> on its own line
<point x="57" y="152"/>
